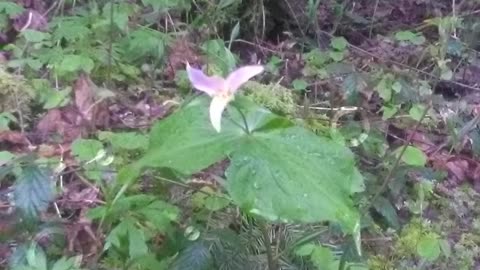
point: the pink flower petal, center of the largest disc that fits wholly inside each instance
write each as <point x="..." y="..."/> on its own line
<point x="242" y="75"/>
<point x="204" y="83"/>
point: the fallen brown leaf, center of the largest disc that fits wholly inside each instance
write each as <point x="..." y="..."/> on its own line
<point x="64" y="122"/>
<point x="13" y="137"/>
<point x="84" y="96"/>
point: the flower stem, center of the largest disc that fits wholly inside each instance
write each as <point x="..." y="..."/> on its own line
<point x="264" y="227"/>
<point x="245" y="123"/>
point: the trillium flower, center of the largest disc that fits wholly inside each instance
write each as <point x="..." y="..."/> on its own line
<point x="222" y="90"/>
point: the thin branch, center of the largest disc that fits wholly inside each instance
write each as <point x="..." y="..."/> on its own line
<point x="388" y="177"/>
<point x="373" y="19"/>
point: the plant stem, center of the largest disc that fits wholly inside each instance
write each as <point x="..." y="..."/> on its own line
<point x="110" y="45"/>
<point x="388" y="178"/>
<point x="245" y="123"/>
<point x="268" y="247"/>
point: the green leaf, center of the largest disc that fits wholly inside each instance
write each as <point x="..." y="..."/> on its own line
<point x="336" y="56"/>
<point x="56" y="99"/>
<point x="5" y="119"/>
<point x="284" y="174"/>
<point x="121" y="12"/>
<point x="405" y="35"/>
<point x="446" y="248"/>
<point x="389" y="111"/>
<point x="33" y="190"/>
<point x="305" y="250"/>
<point x="85" y="149"/>
<point x="226" y="3"/>
<point x="125" y="140"/>
<point x="6" y="157"/>
<point x="214" y="202"/>
<point x="219" y="55"/>
<point x="446" y="74"/>
<point x="158" y="5"/>
<point x="36" y="258"/>
<point x="416" y="39"/>
<point x="339" y="43"/>
<point x="323" y="258"/>
<point x="73" y="63"/>
<point x="144" y="43"/>
<point x="316" y="58"/>
<point x="397" y="86"/>
<point x="235" y="33"/>
<point x="384" y="89"/>
<point x="386" y="209"/>
<point x="412" y="156"/>
<point x="71" y="28"/>
<point x="277" y="170"/>
<point x="416" y="112"/>
<point x="353" y="84"/>
<point x="429" y="247"/>
<point x="67" y="263"/>
<point x="35" y="36"/>
<point x="136" y="242"/>
<point x="10" y="8"/>
<point x="188" y="130"/>
<point x="160" y="214"/>
<point x="299" y="84"/>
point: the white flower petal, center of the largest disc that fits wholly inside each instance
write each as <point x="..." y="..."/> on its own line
<point x="217" y="106"/>
<point x="204" y="83"/>
<point x="241" y="76"/>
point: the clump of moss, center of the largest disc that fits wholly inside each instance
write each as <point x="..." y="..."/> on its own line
<point x="406" y="245"/>
<point x="15" y="94"/>
<point x="380" y="262"/>
<point x="274" y="97"/>
<point x="318" y="126"/>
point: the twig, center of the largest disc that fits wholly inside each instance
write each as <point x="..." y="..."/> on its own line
<point x="373" y="19"/>
<point x="20" y="113"/>
<point x="388" y="177"/>
<point x="110" y="46"/>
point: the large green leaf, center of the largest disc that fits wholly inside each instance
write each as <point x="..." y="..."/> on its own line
<point x="293" y="175"/>
<point x="187" y="142"/>
<point x="33" y="190"/>
<point x="279" y="171"/>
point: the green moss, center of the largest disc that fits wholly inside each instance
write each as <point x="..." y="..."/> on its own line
<point x="406" y="245"/>
<point x="380" y="262"/>
<point x="15" y="94"/>
<point x="276" y="98"/>
<point x="465" y="252"/>
<point x="318" y="126"/>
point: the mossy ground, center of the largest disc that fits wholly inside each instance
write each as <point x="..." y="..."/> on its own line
<point x="454" y="218"/>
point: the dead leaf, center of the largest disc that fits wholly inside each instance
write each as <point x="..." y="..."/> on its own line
<point x="421" y="140"/>
<point x="13" y="137"/>
<point x="458" y="170"/>
<point x="64" y="123"/>
<point x="182" y="50"/>
<point x="476" y="178"/>
<point x="84" y="96"/>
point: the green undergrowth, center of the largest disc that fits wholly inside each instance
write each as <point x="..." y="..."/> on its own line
<point x="15" y="98"/>
<point x="452" y="219"/>
<point x="274" y="97"/>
